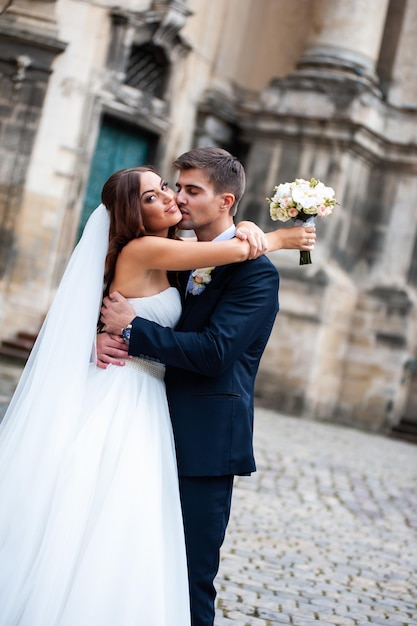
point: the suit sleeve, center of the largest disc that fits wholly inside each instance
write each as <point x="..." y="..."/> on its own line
<point x="242" y="316"/>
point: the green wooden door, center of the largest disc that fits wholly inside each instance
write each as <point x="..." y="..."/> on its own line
<point x="119" y="145"/>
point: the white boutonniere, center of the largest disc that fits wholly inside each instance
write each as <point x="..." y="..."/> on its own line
<point x="200" y="279"/>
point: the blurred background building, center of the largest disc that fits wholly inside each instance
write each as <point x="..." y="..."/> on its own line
<point x="294" y="88"/>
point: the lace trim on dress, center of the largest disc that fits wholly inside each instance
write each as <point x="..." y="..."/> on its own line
<point x="153" y="368"/>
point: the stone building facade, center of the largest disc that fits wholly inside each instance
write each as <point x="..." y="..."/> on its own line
<point x="295" y="88"/>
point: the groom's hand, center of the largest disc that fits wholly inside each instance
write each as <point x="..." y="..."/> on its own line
<point x="250" y="232"/>
<point x="116" y="313"/>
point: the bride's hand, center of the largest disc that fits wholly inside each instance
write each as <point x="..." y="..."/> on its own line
<point x="250" y="232"/>
<point x="110" y="350"/>
<point x="297" y="238"/>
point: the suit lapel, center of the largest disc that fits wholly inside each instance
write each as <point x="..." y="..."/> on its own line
<point x="190" y="301"/>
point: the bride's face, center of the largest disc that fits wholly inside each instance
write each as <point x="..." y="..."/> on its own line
<point x="158" y="204"/>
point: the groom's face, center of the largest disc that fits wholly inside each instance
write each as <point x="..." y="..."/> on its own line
<point x="200" y="206"/>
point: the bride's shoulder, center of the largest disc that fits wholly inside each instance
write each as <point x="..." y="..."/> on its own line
<point x="149" y="241"/>
<point x="142" y="245"/>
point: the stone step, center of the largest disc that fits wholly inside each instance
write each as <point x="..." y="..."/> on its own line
<point x="18" y="347"/>
<point x="406" y="429"/>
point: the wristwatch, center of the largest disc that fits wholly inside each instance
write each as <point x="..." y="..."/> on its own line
<point x="126" y="333"/>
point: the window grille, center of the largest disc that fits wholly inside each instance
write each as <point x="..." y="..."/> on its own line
<point x="147" y="69"/>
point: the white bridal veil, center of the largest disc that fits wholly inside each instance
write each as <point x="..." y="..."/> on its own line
<point x="44" y="410"/>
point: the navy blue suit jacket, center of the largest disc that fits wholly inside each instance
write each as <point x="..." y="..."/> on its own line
<point x="212" y="358"/>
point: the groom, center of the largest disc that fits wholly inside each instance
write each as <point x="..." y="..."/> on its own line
<point x="212" y="358"/>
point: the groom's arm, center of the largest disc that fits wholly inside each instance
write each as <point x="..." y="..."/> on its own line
<point x="243" y="314"/>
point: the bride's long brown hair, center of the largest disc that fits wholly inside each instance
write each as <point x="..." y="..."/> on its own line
<point x="120" y="195"/>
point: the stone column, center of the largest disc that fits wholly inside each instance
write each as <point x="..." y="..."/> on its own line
<point x="402" y="91"/>
<point x="28" y="46"/>
<point x="345" y="36"/>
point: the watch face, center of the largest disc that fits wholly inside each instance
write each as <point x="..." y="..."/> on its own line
<point x="126" y="334"/>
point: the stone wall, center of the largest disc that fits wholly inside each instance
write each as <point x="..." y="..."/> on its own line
<point x="25" y="66"/>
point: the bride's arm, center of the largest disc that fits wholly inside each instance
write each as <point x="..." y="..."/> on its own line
<point x="250" y="232"/>
<point x="283" y="239"/>
<point x="169" y="254"/>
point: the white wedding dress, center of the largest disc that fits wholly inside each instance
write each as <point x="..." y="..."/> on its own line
<point x="93" y="536"/>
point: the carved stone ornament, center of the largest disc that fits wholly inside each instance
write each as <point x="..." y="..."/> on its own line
<point x="174" y="14"/>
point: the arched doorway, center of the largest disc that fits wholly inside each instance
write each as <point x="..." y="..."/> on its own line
<point x="119" y="145"/>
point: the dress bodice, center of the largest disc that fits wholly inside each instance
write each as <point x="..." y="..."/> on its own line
<point x="163" y="308"/>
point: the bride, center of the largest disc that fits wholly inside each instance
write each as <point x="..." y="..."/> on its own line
<point x="91" y="531"/>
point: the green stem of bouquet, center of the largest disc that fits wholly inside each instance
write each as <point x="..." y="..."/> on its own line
<point x="305" y="257"/>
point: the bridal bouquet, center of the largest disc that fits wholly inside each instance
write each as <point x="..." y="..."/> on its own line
<point x="302" y="201"/>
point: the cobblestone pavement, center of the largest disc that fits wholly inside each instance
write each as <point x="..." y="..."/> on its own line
<point x="325" y="532"/>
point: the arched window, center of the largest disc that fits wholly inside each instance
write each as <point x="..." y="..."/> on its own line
<point x="147" y="69"/>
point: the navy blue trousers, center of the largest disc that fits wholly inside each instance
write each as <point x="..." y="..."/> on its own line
<point x="206" y="503"/>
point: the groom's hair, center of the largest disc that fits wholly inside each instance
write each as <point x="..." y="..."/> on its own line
<point x="223" y="170"/>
